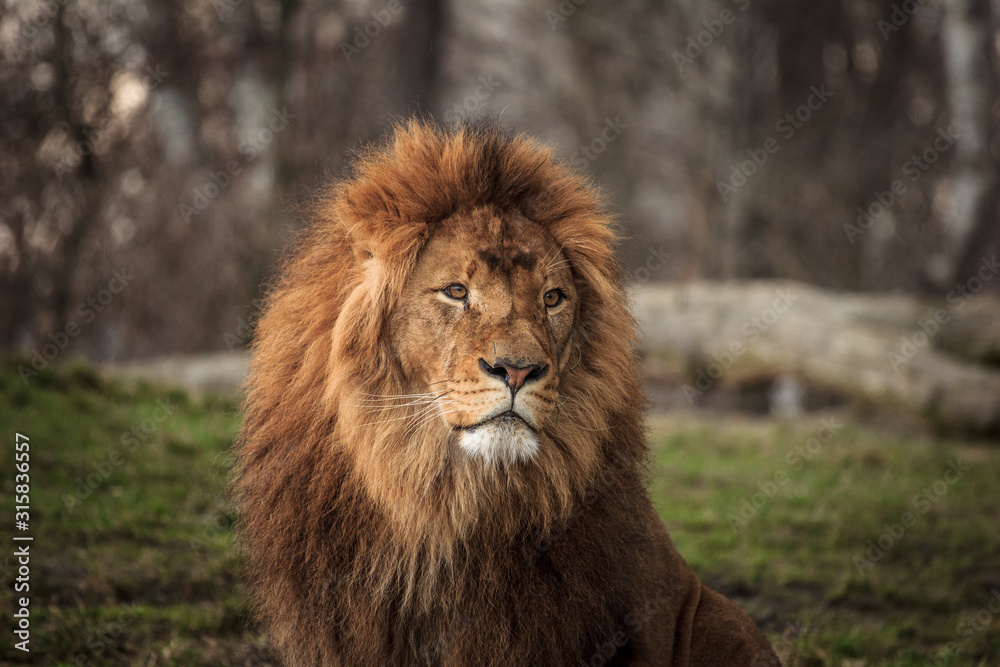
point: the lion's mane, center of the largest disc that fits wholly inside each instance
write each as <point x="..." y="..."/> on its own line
<point x="364" y="540"/>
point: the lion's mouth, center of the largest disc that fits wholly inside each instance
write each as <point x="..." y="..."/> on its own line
<point x="505" y="418"/>
<point x="509" y="415"/>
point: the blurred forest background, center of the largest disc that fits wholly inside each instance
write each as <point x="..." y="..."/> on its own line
<point x="151" y="153"/>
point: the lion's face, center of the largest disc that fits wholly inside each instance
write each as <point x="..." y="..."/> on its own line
<point x="483" y="330"/>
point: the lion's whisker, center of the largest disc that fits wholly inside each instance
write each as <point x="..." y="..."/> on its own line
<point x="390" y="404"/>
<point x="392" y="397"/>
<point x="416" y="426"/>
<point x="420" y="412"/>
<point x="442" y="415"/>
<point x="420" y="417"/>
<point x="418" y="398"/>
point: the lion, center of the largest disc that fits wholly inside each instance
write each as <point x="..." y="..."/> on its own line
<point x="443" y="458"/>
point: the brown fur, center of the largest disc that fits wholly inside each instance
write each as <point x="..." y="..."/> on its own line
<point x="371" y="537"/>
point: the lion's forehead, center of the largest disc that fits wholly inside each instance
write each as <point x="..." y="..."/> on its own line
<point x="497" y="244"/>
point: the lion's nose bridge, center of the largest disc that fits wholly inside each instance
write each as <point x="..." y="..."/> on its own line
<point x="516" y="343"/>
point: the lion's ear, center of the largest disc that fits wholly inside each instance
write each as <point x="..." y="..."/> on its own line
<point x="376" y="224"/>
<point x="363" y="252"/>
<point x="358" y="351"/>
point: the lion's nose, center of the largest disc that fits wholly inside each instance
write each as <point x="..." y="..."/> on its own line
<point x="514" y="376"/>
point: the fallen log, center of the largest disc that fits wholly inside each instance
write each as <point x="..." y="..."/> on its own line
<point x="884" y="348"/>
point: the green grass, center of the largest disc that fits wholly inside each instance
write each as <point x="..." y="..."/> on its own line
<point x="796" y="556"/>
<point x="140" y="569"/>
<point x="132" y="559"/>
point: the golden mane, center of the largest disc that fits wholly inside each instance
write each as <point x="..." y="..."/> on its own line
<point x="363" y="539"/>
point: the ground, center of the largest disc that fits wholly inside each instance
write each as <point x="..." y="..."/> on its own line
<point x="848" y="545"/>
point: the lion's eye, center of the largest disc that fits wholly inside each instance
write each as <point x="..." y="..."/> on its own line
<point x="456" y="291"/>
<point x="553" y="298"/>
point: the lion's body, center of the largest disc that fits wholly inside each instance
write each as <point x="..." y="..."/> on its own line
<point x="391" y="511"/>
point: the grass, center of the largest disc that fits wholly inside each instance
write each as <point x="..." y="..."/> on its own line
<point x="132" y="560"/>
<point x="780" y="515"/>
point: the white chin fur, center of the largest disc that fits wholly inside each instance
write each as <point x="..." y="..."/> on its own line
<point x="503" y="442"/>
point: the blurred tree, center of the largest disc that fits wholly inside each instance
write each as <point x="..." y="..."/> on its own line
<point x="743" y="138"/>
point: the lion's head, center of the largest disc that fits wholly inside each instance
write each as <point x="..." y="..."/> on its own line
<point x="483" y="332"/>
<point x="445" y="359"/>
<point x="479" y="338"/>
